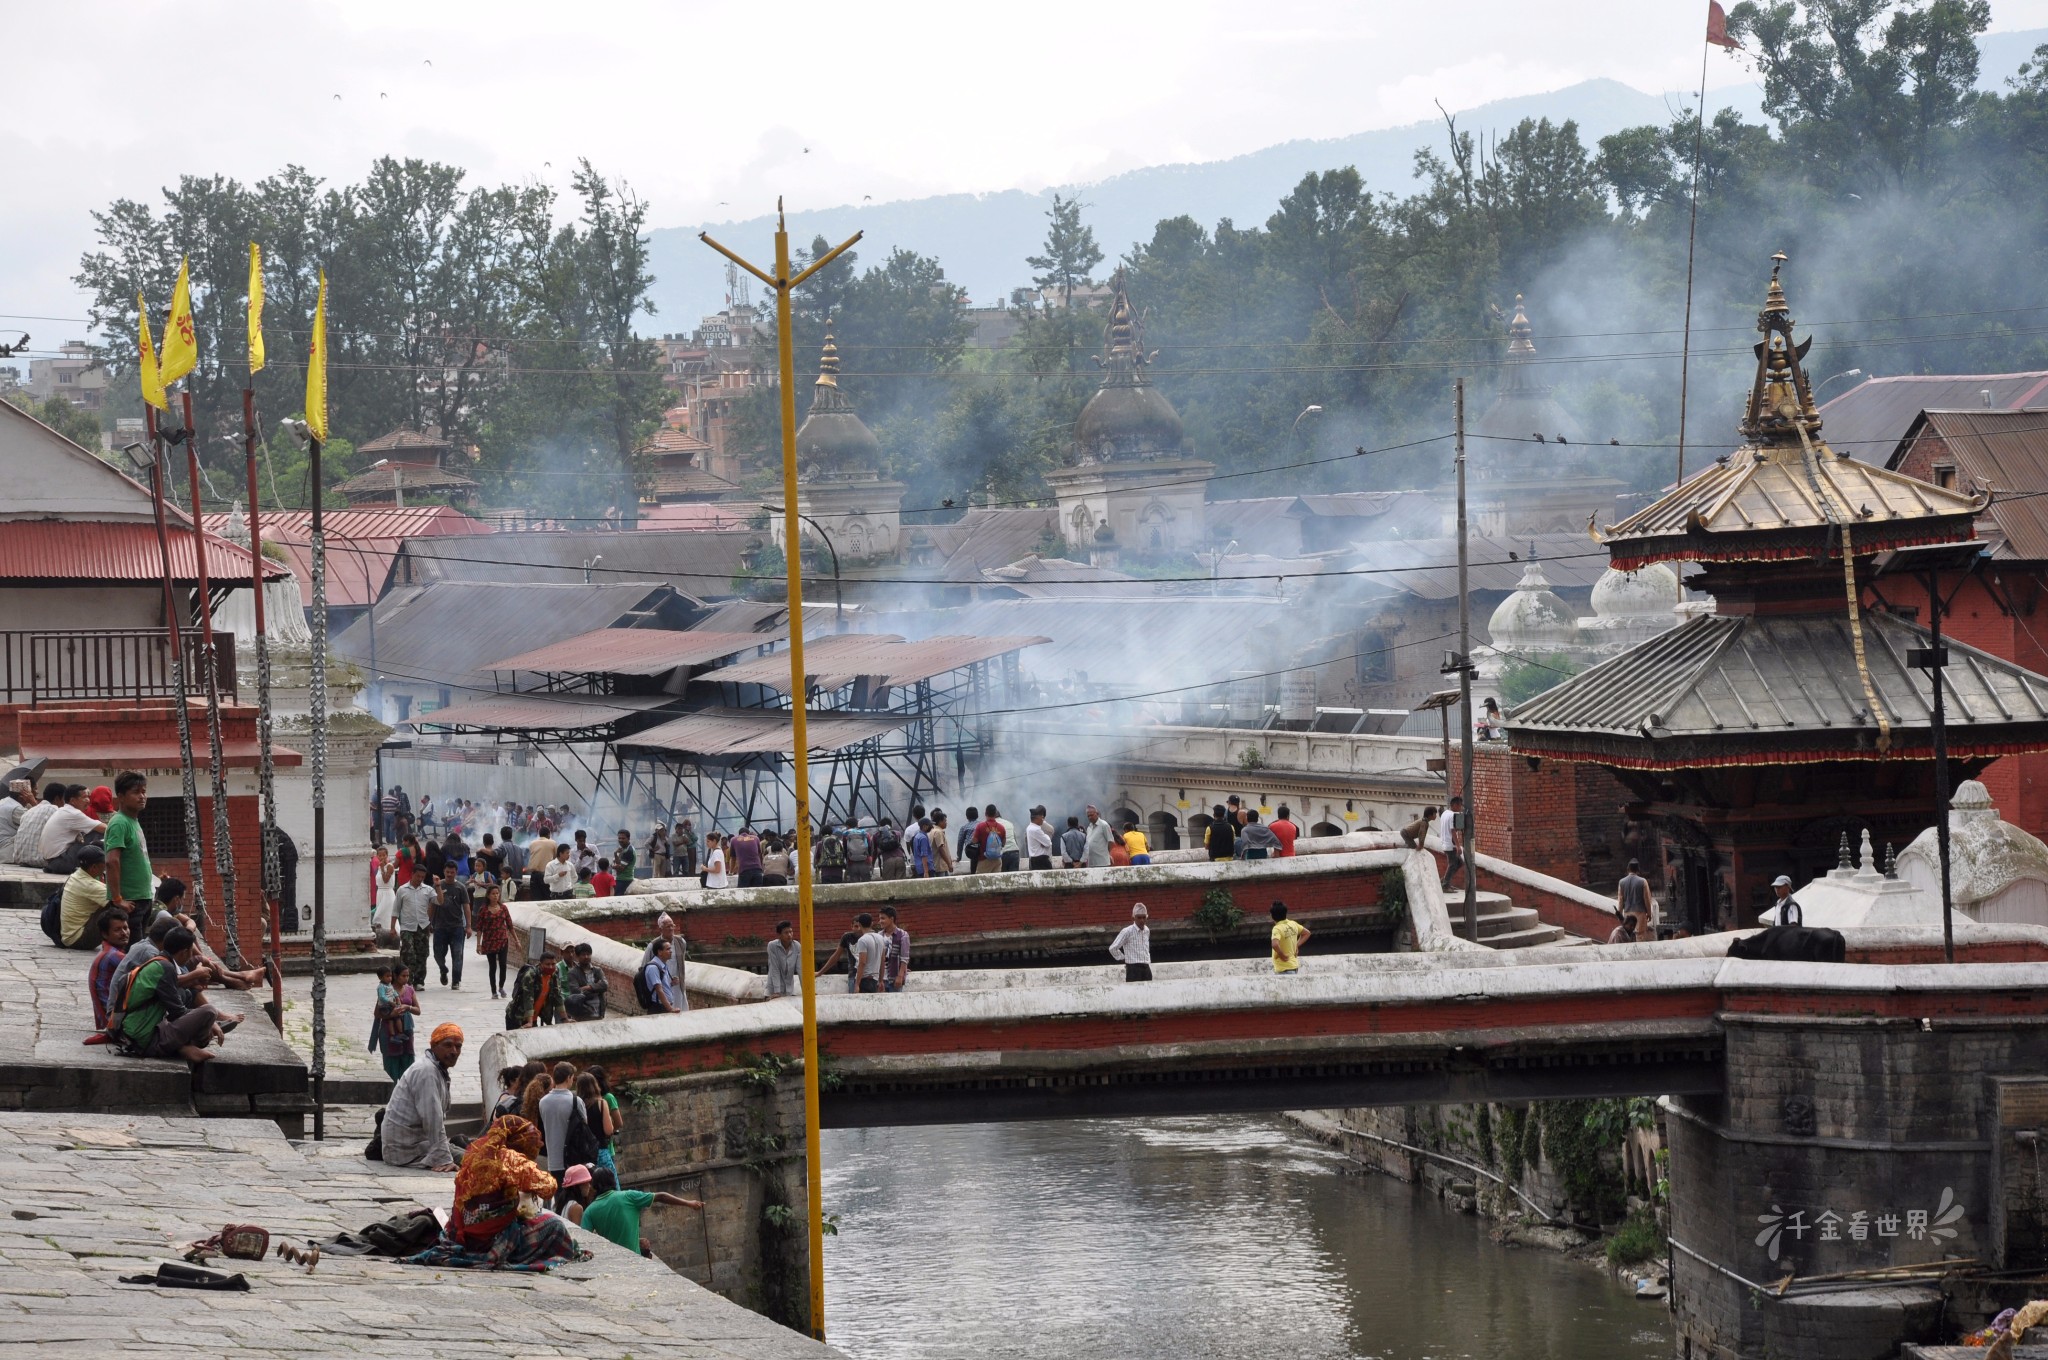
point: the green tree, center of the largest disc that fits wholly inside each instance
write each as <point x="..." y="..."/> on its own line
<point x="74" y="422"/>
<point x="1070" y="251"/>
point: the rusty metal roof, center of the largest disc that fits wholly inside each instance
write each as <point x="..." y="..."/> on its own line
<point x="117" y="550"/>
<point x="1868" y="421"/>
<point x="631" y="651"/>
<point x="835" y="661"/>
<point x="361" y="541"/>
<point x="717" y="732"/>
<point x="538" y="712"/>
<point x="2007" y="451"/>
<point x="1747" y="688"/>
<point x="1771" y="492"/>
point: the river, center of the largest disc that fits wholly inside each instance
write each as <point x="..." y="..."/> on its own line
<point x="1230" y="1238"/>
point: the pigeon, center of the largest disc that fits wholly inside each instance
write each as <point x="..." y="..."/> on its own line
<point x="382" y="95"/>
<point x="1615" y="442"/>
<point x="946" y="504"/>
<point x="1539" y="439"/>
<point x="1562" y="440"/>
<point x="337" y="99"/>
<point x="1514" y="556"/>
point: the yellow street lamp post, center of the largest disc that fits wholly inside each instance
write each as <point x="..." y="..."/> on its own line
<point x="782" y="282"/>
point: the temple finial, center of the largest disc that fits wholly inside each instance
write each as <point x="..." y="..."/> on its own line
<point x="1123" y="339"/>
<point x="828" y="360"/>
<point x="1521" y="335"/>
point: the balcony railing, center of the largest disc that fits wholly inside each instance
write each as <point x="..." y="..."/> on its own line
<point x="52" y="667"/>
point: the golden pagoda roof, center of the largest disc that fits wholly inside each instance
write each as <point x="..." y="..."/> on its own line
<point x="1785" y="493"/>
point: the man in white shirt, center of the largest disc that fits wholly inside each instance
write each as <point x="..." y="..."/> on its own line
<point x="1038" y="840"/>
<point x="28" y="832"/>
<point x="1452" y="839"/>
<point x="1097" y="854"/>
<point x="560" y="874"/>
<point x="1133" y="946"/>
<point x="69" y="824"/>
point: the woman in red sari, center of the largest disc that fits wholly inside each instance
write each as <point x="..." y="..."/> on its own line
<point x="497" y="1168"/>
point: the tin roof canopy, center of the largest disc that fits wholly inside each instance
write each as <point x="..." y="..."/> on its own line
<point x="832" y="662"/>
<point x="533" y="714"/>
<point x="716" y="732"/>
<point x="631" y="651"/>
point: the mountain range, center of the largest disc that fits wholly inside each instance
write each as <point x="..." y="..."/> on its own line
<point x="982" y="239"/>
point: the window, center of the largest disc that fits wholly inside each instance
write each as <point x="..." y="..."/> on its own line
<point x="1945" y="474"/>
<point x="1375" y="659"/>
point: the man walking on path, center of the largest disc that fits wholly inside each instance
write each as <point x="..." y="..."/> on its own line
<point x="1288" y="938"/>
<point x="1632" y="894"/>
<point x="677" y="963"/>
<point x="450" y="923"/>
<point x="1449" y="832"/>
<point x="1038" y="840"/>
<point x="415" y="1128"/>
<point x="415" y="918"/>
<point x="868" y="952"/>
<point x="782" y="960"/>
<point x="988" y="841"/>
<point x="1096" y="853"/>
<point x="1133" y="946"/>
<point x="895" y="953"/>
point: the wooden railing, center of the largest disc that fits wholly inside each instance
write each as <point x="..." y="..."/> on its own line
<point x="48" y="667"/>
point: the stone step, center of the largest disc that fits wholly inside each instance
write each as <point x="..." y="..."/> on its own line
<point x="1524" y="939"/>
<point x="1454" y="902"/>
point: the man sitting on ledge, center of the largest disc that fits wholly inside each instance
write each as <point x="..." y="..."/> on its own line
<point x="161" y="1019"/>
<point x="415" y="1129"/>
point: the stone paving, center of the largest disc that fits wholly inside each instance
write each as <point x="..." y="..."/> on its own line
<point x="352" y="999"/>
<point x="95" y="1197"/>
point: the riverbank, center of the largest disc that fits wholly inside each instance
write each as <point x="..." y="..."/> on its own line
<point x="1457" y="1155"/>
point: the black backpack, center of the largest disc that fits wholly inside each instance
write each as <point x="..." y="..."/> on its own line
<point x="887" y="842"/>
<point x="643" y="993"/>
<point x="580" y="1143"/>
<point x="53" y="917"/>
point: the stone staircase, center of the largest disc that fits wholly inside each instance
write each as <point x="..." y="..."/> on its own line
<point x="1503" y="925"/>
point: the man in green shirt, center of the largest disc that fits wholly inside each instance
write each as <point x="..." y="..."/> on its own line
<point x="614" y="1214"/>
<point x="160" y="1021"/>
<point x="129" y="882"/>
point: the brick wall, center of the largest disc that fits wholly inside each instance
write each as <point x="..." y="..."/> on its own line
<point x="93" y="742"/>
<point x="1556" y="817"/>
<point x="990" y="908"/>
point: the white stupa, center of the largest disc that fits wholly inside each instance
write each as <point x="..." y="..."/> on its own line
<point x="1997" y="872"/>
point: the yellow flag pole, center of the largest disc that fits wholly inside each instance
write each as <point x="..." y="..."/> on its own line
<point x="782" y="283"/>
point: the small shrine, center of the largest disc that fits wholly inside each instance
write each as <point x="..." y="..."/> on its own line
<point x="1753" y="736"/>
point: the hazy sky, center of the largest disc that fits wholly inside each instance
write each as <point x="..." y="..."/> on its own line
<point x="710" y="115"/>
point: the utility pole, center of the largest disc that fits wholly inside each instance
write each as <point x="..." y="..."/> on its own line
<point x="1466" y="821"/>
<point x="1933" y="658"/>
<point x="782" y="282"/>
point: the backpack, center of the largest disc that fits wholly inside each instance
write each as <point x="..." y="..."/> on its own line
<point x="832" y="853"/>
<point x="579" y="1142"/>
<point x="53" y="917"/>
<point x="887" y="842"/>
<point x="643" y="993"/>
<point x="857" y="846"/>
<point x="992" y="847"/>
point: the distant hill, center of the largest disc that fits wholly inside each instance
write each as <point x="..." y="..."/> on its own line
<point x="982" y="239"/>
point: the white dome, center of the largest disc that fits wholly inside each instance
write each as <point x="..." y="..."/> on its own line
<point x="1533" y="616"/>
<point x="1648" y="592"/>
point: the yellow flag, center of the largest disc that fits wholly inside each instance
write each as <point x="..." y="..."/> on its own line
<point x="255" y="309"/>
<point x="181" y="343"/>
<point x="152" y="383"/>
<point x="316" y="367"/>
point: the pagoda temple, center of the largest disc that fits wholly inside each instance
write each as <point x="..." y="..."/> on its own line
<point x="1132" y="482"/>
<point x="1753" y="737"/>
<point x="840" y="487"/>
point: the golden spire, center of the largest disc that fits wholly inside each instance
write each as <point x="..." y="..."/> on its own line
<point x="828" y="362"/>
<point x="1521" y="335"/>
<point x="1780" y="398"/>
<point x="1123" y="340"/>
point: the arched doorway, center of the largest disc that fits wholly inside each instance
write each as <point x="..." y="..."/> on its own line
<point x="1326" y="829"/>
<point x="1162" y="831"/>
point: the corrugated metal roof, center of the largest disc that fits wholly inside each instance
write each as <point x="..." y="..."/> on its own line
<point x="1771" y="490"/>
<point x="1773" y="678"/>
<point x="832" y="662"/>
<point x="539" y="712"/>
<point x="1428" y="567"/>
<point x="698" y="564"/>
<point x="409" y="476"/>
<point x="1868" y="421"/>
<point x="405" y="437"/>
<point x="981" y="539"/>
<point x="361" y="541"/>
<point x="75" y="551"/>
<point x="715" y="732"/>
<point x="2008" y="452"/>
<point x="631" y="651"/>
<point x="446" y="633"/>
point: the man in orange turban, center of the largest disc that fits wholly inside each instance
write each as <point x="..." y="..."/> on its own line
<point x="415" y="1129"/>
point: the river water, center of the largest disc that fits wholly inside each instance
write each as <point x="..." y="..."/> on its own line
<point x="1230" y="1238"/>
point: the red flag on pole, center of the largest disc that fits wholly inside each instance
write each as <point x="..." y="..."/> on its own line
<point x="1717" y="26"/>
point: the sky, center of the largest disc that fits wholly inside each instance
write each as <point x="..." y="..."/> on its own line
<point x="710" y="115"/>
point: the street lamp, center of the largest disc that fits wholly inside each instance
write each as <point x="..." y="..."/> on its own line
<point x="397" y="486"/>
<point x="1216" y="567"/>
<point x="838" y="599"/>
<point x="1845" y="373"/>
